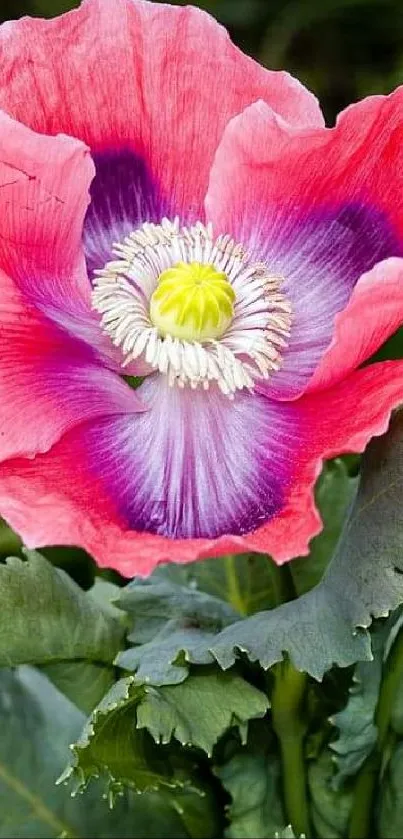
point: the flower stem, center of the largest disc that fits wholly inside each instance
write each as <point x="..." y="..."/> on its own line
<point x="289" y="719"/>
<point x="290" y="725"/>
<point x="234" y="591"/>
<point x="365" y="787"/>
<point x="283" y="584"/>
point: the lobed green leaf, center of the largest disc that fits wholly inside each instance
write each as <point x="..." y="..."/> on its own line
<point x="36" y="725"/>
<point x="200" y="710"/>
<point x="173" y="626"/>
<point x="357" y="732"/>
<point x="110" y="744"/>
<point x="328" y="625"/>
<point x="45" y="617"/>
<point x="116" y="740"/>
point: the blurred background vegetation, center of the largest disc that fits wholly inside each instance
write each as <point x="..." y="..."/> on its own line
<point x="342" y="49"/>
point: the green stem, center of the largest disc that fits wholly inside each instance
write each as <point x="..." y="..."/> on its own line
<point x="289" y="722"/>
<point x="234" y="592"/>
<point x="290" y="725"/>
<point x="283" y="584"/>
<point x="360" y="822"/>
<point x="361" y="813"/>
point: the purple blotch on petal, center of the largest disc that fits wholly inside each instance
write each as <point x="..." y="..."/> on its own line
<point x="123" y="196"/>
<point x="195" y="464"/>
<point x="337" y="243"/>
<point x="320" y="255"/>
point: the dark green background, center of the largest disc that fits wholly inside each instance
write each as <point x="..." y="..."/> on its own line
<point x="342" y="49"/>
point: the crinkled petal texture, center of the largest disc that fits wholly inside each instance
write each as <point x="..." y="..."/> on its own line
<point x="219" y="458"/>
<point x="44" y="195"/>
<point x="44" y="184"/>
<point x="54" y="360"/>
<point x="150" y="88"/>
<point x="321" y="207"/>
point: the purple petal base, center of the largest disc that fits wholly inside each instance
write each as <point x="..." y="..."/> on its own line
<point x="123" y="196"/>
<point x="195" y="464"/>
<point x="321" y="257"/>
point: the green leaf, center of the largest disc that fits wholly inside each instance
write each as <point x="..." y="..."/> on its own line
<point x="165" y="660"/>
<point x="83" y="682"/>
<point x="355" y="723"/>
<point x="334" y="492"/>
<point x="330" y="807"/>
<point x="45" y="617"/>
<point x="173" y="625"/>
<point x="390" y="817"/>
<point x="36" y="725"/>
<point x="198" y="812"/>
<point x="328" y="625"/>
<point x="106" y="594"/>
<point x="154" y="601"/>
<point x="116" y="740"/>
<point x="244" y="581"/>
<point x="10" y="543"/>
<point x="396" y="712"/>
<point x="253" y="782"/>
<point x="201" y="709"/>
<point x="110" y="744"/>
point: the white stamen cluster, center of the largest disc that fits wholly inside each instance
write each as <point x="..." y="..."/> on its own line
<point x="250" y="347"/>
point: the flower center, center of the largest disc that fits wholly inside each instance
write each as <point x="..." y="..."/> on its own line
<point x="193" y="306"/>
<point x="193" y="302"/>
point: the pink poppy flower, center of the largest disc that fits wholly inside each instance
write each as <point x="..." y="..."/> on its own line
<point x="214" y="239"/>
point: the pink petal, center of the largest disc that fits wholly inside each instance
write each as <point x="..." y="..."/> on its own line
<point x="49" y="382"/>
<point x="373" y="313"/>
<point x="56" y="499"/>
<point x="158" y="79"/>
<point x="44" y="183"/>
<point x="336" y="421"/>
<point x="189" y="467"/>
<point x="319" y="206"/>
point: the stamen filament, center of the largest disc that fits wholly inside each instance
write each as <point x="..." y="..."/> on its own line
<point x="222" y="319"/>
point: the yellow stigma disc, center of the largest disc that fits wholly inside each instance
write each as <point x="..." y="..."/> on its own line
<point x="193" y="302"/>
